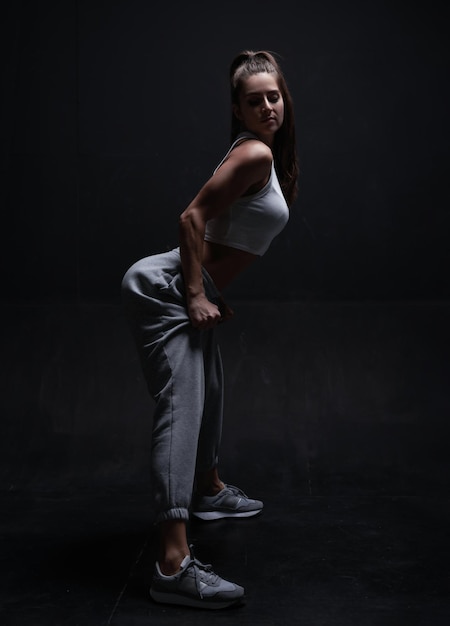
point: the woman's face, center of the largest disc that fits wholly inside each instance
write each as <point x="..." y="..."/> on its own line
<point x="261" y="106"/>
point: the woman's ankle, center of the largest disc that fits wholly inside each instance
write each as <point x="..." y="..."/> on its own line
<point x="173" y="546"/>
<point x="208" y="483"/>
<point x="170" y="565"/>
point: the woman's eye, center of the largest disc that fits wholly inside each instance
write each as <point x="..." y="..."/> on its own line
<point x="254" y="102"/>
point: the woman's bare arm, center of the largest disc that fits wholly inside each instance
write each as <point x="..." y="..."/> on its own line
<point x="247" y="165"/>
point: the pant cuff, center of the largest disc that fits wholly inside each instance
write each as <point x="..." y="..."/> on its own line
<point x="173" y="514"/>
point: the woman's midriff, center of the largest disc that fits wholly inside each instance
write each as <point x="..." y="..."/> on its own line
<point x="224" y="264"/>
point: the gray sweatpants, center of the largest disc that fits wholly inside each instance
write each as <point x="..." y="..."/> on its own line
<point x="183" y="369"/>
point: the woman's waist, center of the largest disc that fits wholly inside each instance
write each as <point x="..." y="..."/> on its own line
<point x="224" y="263"/>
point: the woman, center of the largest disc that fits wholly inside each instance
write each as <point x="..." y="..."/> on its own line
<point x="174" y="303"/>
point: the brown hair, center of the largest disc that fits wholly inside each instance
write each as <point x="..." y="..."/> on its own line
<point x="284" y="149"/>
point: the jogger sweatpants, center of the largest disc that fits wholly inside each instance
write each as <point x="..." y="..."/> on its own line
<point x="183" y="370"/>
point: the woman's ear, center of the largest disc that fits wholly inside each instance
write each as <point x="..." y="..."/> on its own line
<point x="237" y="112"/>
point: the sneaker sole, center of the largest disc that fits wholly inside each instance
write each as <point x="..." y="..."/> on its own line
<point x="173" y="598"/>
<point x="212" y="515"/>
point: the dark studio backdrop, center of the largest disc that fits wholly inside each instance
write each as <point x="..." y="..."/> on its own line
<point x="113" y="114"/>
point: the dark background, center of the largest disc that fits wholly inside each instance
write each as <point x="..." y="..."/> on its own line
<point x="337" y="358"/>
<point x="114" y="113"/>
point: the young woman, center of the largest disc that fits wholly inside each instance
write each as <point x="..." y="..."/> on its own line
<point x="174" y="302"/>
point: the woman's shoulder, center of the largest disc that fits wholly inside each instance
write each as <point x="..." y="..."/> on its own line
<point x="249" y="148"/>
<point x="247" y="157"/>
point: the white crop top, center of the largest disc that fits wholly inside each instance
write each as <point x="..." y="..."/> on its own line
<point x="252" y="222"/>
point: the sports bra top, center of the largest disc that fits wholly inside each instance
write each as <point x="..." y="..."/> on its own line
<point x="252" y="221"/>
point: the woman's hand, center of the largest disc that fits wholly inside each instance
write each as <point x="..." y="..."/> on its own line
<point x="225" y="311"/>
<point x="203" y="313"/>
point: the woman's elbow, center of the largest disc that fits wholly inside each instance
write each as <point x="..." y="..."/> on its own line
<point x="191" y="218"/>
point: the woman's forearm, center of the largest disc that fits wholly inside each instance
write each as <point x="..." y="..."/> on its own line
<point x="191" y="234"/>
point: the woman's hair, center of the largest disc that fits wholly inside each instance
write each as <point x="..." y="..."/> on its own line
<point x="246" y="64"/>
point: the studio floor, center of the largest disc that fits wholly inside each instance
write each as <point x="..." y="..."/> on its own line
<point x="337" y="420"/>
<point x="356" y="560"/>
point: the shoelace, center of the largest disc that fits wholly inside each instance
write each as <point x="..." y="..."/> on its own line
<point x="236" y="491"/>
<point x="209" y="576"/>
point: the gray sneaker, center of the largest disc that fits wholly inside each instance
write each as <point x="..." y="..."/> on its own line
<point x="195" y="585"/>
<point x="230" y="502"/>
